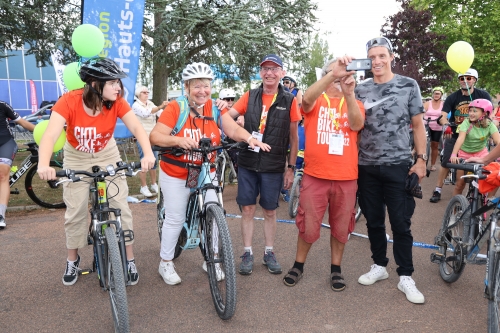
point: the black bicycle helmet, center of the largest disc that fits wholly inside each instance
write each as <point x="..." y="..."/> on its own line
<point x="289" y="78"/>
<point x="102" y="69"/>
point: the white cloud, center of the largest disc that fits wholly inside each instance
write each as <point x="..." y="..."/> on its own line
<point x="352" y="23"/>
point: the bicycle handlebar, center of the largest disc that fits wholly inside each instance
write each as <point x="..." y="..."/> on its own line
<point x="476" y="168"/>
<point x="205" y="147"/>
<point x="110" y="171"/>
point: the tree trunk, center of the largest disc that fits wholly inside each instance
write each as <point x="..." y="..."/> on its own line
<point x="160" y="71"/>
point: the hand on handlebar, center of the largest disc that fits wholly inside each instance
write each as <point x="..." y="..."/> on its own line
<point x="187" y="143"/>
<point x="479" y="160"/>
<point x="454" y="159"/>
<point x="147" y="162"/>
<point x="46" y="172"/>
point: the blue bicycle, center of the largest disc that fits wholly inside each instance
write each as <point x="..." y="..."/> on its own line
<point x="206" y="227"/>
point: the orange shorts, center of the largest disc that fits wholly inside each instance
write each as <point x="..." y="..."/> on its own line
<point x="316" y="195"/>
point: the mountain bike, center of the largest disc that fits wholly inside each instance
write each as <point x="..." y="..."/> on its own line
<point x="206" y="227"/>
<point x="38" y="190"/>
<point x="107" y="236"/>
<point x="222" y="161"/>
<point x="463" y="234"/>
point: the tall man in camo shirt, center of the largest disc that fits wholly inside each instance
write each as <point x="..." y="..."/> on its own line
<point x="392" y="103"/>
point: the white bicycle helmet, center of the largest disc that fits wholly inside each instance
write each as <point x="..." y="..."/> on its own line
<point x="227" y="93"/>
<point x="197" y="70"/>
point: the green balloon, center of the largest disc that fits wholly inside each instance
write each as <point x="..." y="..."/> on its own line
<point x="71" y="78"/>
<point x="87" y="40"/>
<point x="40" y="129"/>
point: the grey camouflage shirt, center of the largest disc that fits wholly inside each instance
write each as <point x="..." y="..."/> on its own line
<point x="389" y="106"/>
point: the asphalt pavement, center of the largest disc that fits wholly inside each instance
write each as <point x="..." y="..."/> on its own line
<point x="33" y="298"/>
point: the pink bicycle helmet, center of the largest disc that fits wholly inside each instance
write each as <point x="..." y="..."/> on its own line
<point x="483" y="104"/>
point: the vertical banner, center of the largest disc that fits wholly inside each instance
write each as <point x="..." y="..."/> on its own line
<point x="34" y="102"/>
<point x="59" y="68"/>
<point x="121" y="23"/>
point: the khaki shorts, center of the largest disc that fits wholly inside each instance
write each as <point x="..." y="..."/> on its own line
<point x="76" y="195"/>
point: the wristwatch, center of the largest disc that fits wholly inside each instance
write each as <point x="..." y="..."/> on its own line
<point x="422" y="156"/>
<point x="293" y="167"/>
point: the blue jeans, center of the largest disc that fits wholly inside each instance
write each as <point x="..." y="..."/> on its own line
<point x="382" y="186"/>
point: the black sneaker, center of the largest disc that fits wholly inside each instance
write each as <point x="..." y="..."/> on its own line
<point x="71" y="274"/>
<point x="133" y="275"/>
<point x="436" y="196"/>
<point x="2" y="222"/>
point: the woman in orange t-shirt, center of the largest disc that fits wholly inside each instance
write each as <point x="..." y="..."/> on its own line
<point x="90" y="114"/>
<point x="197" y="79"/>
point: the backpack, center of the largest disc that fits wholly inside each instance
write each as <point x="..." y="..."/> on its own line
<point x="184" y="114"/>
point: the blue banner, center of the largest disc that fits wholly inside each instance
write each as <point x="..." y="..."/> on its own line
<point x="121" y="23"/>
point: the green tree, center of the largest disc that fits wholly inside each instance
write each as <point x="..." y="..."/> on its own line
<point x="476" y="22"/>
<point x="45" y="25"/>
<point x="231" y="35"/>
<point x="318" y="55"/>
<point x="419" y="52"/>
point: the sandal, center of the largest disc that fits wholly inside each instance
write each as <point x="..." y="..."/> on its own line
<point x="294" y="274"/>
<point x="337" y="281"/>
<point x="433" y="168"/>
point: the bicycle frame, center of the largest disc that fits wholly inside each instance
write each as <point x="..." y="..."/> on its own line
<point x="28" y="162"/>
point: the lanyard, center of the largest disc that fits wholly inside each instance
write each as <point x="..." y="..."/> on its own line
<point x="331" y="113"/>
<point x="263" y="116"/>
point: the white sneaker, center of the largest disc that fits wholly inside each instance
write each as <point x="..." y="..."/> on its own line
<point x="2" y="222"/>
<point x="167" y="272"/>
<point x="154" y="188"/>
<point x="145" y="192"/>
<point x="375" y="274"/>
<point x="407" y="285"/>
<point x="218" y="271"/>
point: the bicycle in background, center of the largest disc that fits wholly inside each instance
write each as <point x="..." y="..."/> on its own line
<point x="206" y="227"/>
<point x="107" y="236"/>
<point x="38" y="190"/>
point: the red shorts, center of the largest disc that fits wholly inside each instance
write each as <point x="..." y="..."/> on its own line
<point x="316" y="195"/>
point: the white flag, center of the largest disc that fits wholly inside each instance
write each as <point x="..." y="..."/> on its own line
<point x="59" y="68"/>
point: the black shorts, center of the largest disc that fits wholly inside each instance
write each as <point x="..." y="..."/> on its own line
<point x="448" y="149"/>
<point x="8" y="152"/>
<point x="435" y="135"/>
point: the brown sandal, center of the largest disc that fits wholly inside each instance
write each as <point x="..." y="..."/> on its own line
<point x="293" y="277"/>
<point x="337" y="279"/>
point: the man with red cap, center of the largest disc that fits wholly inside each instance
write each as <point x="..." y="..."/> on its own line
<point x="271" y="115"/>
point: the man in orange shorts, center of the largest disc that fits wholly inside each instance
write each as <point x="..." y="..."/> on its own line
<point x="332" y="118"/>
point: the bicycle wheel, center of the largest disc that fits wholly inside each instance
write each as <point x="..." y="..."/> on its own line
<point x="494" y="300"/>
<point x="454" y="235"/>
<point x="160" y="213"/>
<point x="219" y="256"/>
<point x="293" y="204"/>
<point x="115" y="283"/>
<point x="357" y="209"/>
<point x="39" y="190"/>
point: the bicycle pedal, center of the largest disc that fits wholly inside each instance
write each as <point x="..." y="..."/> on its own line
<point x="128" y="235"/>
<point x="90" y="241"/>
<point x="437" y="257"/>
<point x="85" y="271"/>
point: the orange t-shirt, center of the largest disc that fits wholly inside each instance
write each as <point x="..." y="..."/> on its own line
<point x="200" y="129"/>
<point x="318" y="126"/>
<point x="267" y="100"/>
<point x="86" y="133"/>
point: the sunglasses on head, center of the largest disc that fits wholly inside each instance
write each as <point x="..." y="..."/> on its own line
<point x="462" y="78"/>
<point x="380" y="41"/>
<point x="229" y="99"/>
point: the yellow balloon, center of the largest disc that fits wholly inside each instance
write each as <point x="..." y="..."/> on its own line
<point x="460" y="56"/>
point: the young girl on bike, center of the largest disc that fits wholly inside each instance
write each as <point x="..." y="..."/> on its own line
<point x="433" y="111"/>
<point x="197" y="79"/>
<point x="8" y="150"/>
<point x="90" y="115"/>
<point x="473" y="136"/>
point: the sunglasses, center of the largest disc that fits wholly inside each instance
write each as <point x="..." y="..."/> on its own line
<point x="381" y="41"/>
<point x="286" y="82"/>
<point x="229" y="99"/>
<point x="469" y="78"/>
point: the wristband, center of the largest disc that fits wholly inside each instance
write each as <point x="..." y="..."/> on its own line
<point x="249" y="138"/>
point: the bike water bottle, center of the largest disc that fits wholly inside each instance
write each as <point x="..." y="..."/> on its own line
<point x="13" y="170"/>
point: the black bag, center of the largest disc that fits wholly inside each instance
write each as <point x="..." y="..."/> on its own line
<point x="412" y="186"/>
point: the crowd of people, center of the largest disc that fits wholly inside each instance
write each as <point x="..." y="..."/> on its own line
<point x="362" y="129"/>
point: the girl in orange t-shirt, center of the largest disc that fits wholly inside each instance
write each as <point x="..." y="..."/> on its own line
<point x="90" y="114"/>
<point x="197" y="79"/>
